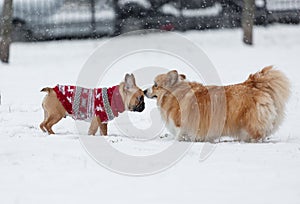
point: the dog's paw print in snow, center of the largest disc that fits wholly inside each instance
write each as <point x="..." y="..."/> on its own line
<point x="114" y="139"/>
<point x="166" y="136"/>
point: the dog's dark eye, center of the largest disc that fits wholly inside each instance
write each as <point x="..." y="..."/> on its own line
<point x="155" y="84"/>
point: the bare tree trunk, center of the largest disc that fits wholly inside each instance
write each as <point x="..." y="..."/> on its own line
<point x="247" y="21"/>
<point x="6" y="25"/>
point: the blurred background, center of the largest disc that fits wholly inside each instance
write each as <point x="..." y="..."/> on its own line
<point x="40" y="20"/>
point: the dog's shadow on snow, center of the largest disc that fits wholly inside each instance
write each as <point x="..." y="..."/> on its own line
<point x="163" y="137"/>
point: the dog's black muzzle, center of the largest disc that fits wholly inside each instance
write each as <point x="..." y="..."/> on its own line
<point x="140" y="107"/>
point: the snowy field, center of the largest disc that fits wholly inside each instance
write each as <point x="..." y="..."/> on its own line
<point x="38" y="168"/>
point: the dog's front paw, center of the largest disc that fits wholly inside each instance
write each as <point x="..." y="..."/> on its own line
<point x="183" y="138"/>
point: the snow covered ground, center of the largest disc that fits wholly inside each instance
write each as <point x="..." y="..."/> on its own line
<point x="37" y="168"/>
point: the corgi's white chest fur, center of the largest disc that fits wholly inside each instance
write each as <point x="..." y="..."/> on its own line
<point x="170" y="125"/>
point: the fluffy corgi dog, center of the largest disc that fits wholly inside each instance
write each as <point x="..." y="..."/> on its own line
<point x="249" y="111"/>
<point x="98" y="105"/>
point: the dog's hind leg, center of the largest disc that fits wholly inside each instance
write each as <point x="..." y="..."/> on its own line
<point x="255" y="133"/>
<point x="52" y="120"/>
<point x="42" y="125"/>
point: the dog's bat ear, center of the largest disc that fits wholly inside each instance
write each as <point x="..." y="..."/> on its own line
<point x="182" y="77"/>
<point x="172" y="77"/>
<point x="129" y="81"/>
<point x="133" y="78"/>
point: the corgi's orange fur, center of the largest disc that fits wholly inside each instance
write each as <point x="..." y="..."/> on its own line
<point x="250" y="111"/>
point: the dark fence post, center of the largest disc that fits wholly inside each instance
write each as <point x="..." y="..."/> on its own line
<point x="93" y="20"/>
<point x="6" y="24"/>
<point x="248" y="21"/>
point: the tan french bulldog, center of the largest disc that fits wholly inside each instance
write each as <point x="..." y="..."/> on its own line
<point x="98" y="105"/>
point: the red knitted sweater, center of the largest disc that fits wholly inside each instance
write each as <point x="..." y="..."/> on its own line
<point x="82" y="103"/>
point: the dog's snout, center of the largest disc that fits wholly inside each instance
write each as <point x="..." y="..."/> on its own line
<point x="141" y="98"/>
<point x="147" y="93"/>
<point x="140" y="107"/>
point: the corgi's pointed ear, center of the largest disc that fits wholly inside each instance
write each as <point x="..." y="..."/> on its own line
<point x="129" y="81"/>
<point x="172" y="77"/>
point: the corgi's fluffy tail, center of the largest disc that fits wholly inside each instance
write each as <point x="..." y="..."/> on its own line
<point x="274" y="82"/>
<point x="276" y="87"/>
